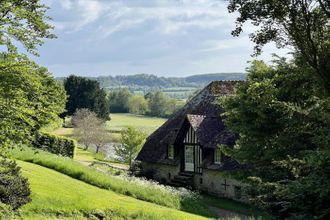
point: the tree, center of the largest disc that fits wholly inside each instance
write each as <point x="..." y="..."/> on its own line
<point x="86" y="123"/>
<point x="30" y="98"/>
<point x="119" y="100"/>
<point x="131" y="143"/>
<point x="86" y="93"/>
<point x="24" y="21"/>
<point x="158" y="104"/>
<point x="100" y="137"/>
<point x="137" y="105"/>
<point x="283" y="120"/>
<point x="14" y="188"/>
<point x="302" y="24"/>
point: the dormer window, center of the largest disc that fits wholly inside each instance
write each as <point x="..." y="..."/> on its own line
<point x="170" y="151"/>
<point x="217" y="156"/>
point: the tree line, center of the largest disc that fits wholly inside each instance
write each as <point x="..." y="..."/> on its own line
<point x="85" y="93"/>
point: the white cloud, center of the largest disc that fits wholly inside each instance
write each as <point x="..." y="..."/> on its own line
<point x="172" y="16"/>
<point x="66" y="4"/>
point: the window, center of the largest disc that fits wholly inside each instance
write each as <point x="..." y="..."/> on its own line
<point x="217" y="156"/>
<point x="170" y="152"/>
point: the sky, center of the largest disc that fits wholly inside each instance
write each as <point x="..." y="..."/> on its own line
<point x="161" y="37"/>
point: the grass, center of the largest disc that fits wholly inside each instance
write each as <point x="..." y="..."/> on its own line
<point x="143" y="190"/>
<point x="144" y="123"/>
<point x="56" y="196"/>
<point x="234" y="206"/>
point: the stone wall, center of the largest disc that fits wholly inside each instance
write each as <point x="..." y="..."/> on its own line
<point x="161" y="172"/>
<point x="213" y="182"/>
<point x="210" y="181"/>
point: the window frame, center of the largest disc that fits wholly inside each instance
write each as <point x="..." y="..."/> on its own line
<point x="170" y="152"/>
<point x="217" y="156"/>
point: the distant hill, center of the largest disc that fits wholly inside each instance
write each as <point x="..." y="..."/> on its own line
<point x="153" y="81"/>
<point x="177" y="87"/>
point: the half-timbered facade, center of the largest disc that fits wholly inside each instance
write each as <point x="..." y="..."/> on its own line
<point x="185" y="151"/>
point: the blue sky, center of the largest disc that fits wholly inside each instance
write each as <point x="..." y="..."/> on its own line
<point x="162" y="37"/>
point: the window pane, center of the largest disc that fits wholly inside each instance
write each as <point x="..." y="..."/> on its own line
<point x="217" y="156"/>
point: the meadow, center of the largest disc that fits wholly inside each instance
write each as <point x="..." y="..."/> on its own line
<point x="144" y="123"/>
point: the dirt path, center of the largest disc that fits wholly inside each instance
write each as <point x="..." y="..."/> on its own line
<point x="225" y="214"/>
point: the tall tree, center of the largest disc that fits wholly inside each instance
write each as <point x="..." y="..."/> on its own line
<point x="302" y="24"/>
<point x="138" y="105"/>
<point x="85" y="93"/>
<point x="24" y="21"/>
<point x="283" y="121"/>
<point x="119" y="100"/>
<point x="29" y="98"/>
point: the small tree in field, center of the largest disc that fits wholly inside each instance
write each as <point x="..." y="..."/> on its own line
<point x="131" y="143"/>
<point x="100" y="137"/>
<point x="86" y="123"/>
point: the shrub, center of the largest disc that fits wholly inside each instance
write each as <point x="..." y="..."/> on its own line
<point x="6" y="212"/>
<point x="56" y="144"/>
<point x="14" y="189"/>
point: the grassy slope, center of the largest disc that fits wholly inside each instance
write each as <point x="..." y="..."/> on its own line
<point x="56" y="195"/>
<point x="148" y="124"/>
<point x="142" y="190"/>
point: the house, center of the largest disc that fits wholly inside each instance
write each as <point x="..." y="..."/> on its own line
<point x="185" y="151"/>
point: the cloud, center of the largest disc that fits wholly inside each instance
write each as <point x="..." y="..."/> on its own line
<point x="171" y="17"/>
<point x="66" y="4"/>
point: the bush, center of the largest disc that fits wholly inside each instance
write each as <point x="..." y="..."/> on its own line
<point x="56" y="144"/>
<point x="6" y="212"/>
<point x="14" y="189"/>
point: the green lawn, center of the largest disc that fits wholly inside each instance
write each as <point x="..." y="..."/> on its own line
<point x="55" y="195"/>
<point x="145" y="123"/>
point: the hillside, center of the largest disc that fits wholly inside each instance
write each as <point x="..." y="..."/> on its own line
<point x="55" y="195"/>
<point x="175" y="87"/>
<point x="153" y="81"/>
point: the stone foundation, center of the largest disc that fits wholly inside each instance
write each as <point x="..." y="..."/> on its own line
<point x="210" y="181"/>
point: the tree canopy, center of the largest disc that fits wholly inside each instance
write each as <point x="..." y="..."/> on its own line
<point x="85" y="93"/>
<point x="301" y="24"/>
<point x="283" y="122"/>
<point x="24" y="21"/>
<point x="29" y="98"/>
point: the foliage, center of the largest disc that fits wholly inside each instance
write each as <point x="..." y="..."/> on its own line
<point x="14" y="189"/>
<point x="24" y="21"/>
<point x="137" y="105"/>
<point x="131" y="143"/>
<point x="58" y="196"/>
<point x="161" y="105"/>
<point x="6" y="212"/>
<point x="86" y="93"/>
<point x="154" y="193"/>
<point x="147" y="82"/>
<point x="283" y="120"/>
<point x="55" y="144"/>
<point x="89" y="129"/>
<point x="302" y="24"/>
<point x="30" y="98"/>
<point x="119" y="100"/>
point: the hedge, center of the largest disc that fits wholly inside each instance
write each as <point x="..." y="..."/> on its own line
<point x="55" y="144"/>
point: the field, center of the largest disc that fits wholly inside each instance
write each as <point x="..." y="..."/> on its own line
<point x="55" y="195"/>
<point x="147" y="124"/>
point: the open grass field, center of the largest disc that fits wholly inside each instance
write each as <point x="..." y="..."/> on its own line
<point x="144" y="123"/>
<point x="58" y="196"/>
